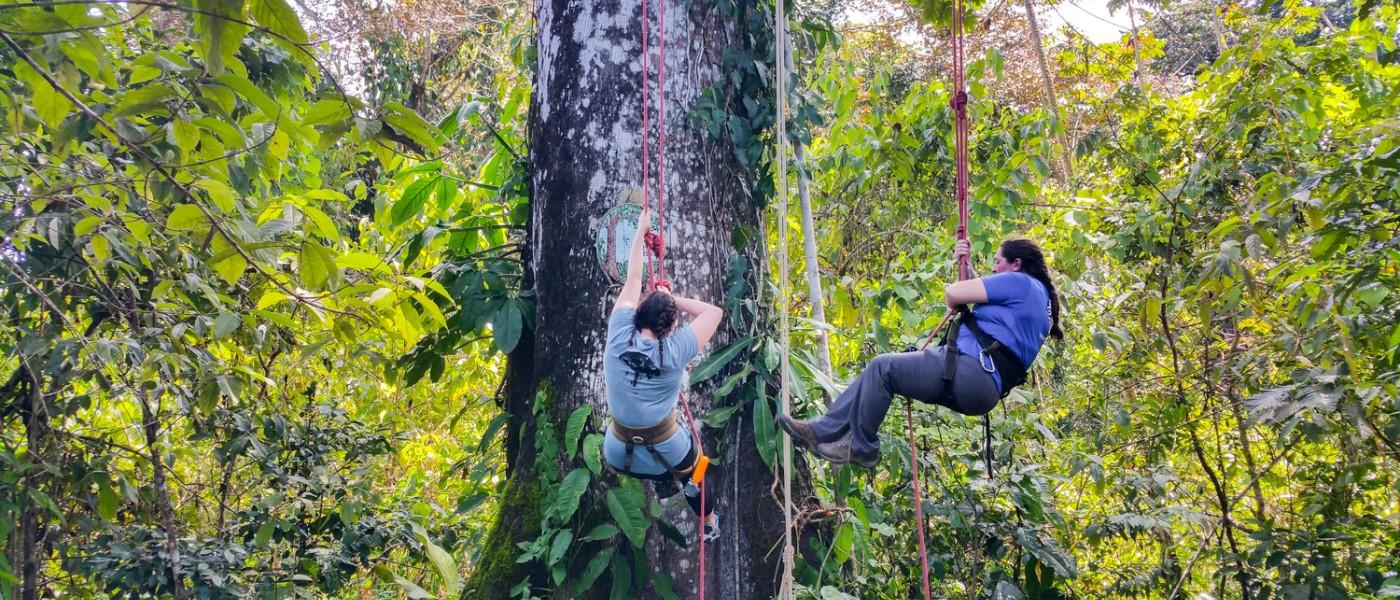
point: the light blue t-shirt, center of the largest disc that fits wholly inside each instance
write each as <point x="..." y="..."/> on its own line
<point x="1017" y="314"/>
<point x="643" y="388"/>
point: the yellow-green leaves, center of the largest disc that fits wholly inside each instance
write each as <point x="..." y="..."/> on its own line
<point x="279" y="18"/>
<point x="411" y="203"/>
<point x="318" y="268"/>
<point x="323" y="223"/>
<point x="186" y="217"/>
<point x="219" y="194"/>
<point x="251" y="93"/>
<point x="227" y="261"/>
<point x="409" y="125"/>
<point x="49" y="104"/>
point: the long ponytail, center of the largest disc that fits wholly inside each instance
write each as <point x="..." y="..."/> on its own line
<point x="1033" y="264"/>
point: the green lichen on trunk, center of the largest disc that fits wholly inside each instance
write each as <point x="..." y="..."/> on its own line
<point x="518" y="520"/>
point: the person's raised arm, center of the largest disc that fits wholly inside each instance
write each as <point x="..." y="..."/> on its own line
<point x="706" y="321"/>
<point x="967" y="291"/>
<point x="631" y="293"/>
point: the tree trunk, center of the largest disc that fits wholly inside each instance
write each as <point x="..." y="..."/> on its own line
<point x="1047" y="84"/>
<point x="38" y="431"/>
<point x="151" y="426"/>
<point x="1137" y="55"/>
<point x="585" y="153"/>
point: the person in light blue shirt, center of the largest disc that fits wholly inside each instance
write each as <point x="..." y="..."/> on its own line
<point x="644" y="368"/>
<point x="1017" y="307"/>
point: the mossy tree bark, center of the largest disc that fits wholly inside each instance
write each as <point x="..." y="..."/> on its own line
<point x="585" y="154"/>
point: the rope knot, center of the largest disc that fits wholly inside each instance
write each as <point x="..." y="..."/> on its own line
<point x="959" y="101"/>
<point x="654" y="242"/>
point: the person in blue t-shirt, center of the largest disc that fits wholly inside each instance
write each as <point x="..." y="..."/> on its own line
<point x="1017" y="306"/>
<point x="644" y="368"/>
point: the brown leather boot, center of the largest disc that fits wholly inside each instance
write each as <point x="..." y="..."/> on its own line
<point x="800" y="430"/>
<point x="840" y="452"/>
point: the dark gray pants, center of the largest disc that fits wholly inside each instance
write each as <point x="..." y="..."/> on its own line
<point x="919" y="375"/>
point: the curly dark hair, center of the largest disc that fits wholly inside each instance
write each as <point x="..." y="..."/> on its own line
<point x="658" y="313"/>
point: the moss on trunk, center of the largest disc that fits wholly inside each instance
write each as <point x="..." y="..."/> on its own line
<point x="517" y="520"/>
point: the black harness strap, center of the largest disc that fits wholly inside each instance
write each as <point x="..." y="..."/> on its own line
<point x="1003" y="360"/>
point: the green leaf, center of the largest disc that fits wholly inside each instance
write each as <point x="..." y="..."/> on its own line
<point x="442" y="561"/>
<point x="506" y="327"/>
<point x="107" y="501"/>
<point x="844" y="543"/>
<point x="363" y="261"/>
<point x="712" y="365"/>
<point x="593" y="444"/>
<point x="86" y="225"/>
<point x="577" y="420"/>
<point x="317" y="265"/>
<point x="764" y="436"/>
<point x="716" y="418"/>
<point x="605" y="531"/>
<point x="225" y="324"/>
<point x="279" y="18"/>
<point x="411" y="203"/>
<point x="322" y="222"/>
<point x="186" y="217"/>
<point x="595" y="568"/>
<point x="565" y="497"/>
<point x="625" y="504"/>
<point x="251" y="94"/>
<point x="219" y="36"/>
<point x="219" y="194"/>
<point x="51" y="105"/>
<point x="560" y="546"/>
<point x="411" y="589"/>
<point x="144" y="99"/>
<point x="327" y="111"/>
<point x="446" y="193"/>
<point x="407" y="122"/>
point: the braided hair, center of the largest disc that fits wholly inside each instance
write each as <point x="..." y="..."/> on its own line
<point x="658" y="313"/>
<point x="1033" y="264"/>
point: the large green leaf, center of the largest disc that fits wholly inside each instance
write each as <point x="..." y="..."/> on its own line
<point x="412" y="201"/>
<point x="442" y="561"/>
<point x="506" y="325"/>
<point x="565" y="496"/>
<point x="186" y="217"/>
<point x="317" y="265"/>
<point x="577" y="420"/>
<point x="712" y="365"/>
<point x="279" y="18"/>
<point x="412" y="126"/>
<point x="764" y="435"/>
<point x="220" y="35"/>
<point x="625" y="503"/>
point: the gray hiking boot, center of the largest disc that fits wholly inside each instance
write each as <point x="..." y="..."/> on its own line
<point x="800" y="430"/>
<point x="840" y="452"/>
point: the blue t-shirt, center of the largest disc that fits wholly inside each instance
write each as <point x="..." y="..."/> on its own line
<point x="643" y="388"/>
<point x="1017" y="314"/>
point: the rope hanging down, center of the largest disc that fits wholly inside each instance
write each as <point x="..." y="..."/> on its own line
<point x="780" y="49"/>
<point x="960" y="183"/>
<point x="656" y="242"/>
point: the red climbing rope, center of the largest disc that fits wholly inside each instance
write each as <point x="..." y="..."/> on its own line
<point x="961" y="128"/>
<point x="656" y="242"/>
